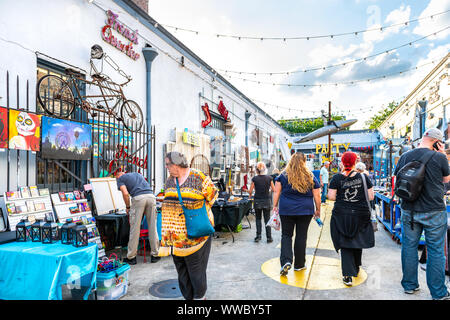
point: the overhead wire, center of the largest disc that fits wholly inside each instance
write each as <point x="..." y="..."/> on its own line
<point x="285" y="38"/>
<point x="301" y="70"/>
<point x="351" y="82"/>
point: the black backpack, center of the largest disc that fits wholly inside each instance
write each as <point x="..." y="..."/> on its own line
<point x="409" y="179"/>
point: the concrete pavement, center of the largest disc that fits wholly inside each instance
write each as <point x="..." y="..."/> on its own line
<point x="245" y="270"/>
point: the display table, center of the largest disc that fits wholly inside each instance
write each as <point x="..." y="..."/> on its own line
<point x="390" y="216"/>
<point x="230" y="214"/>
<point x="114" y="230"/>
<point x="36" y="271"/>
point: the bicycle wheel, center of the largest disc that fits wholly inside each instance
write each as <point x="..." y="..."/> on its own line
<point x="132" y="116"/>
<point x="55" y="96"/>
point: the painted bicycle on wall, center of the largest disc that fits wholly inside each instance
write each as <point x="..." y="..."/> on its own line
<point x="60" y="97"/>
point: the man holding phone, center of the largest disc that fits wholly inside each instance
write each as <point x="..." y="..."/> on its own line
<point x="427" y="213"/>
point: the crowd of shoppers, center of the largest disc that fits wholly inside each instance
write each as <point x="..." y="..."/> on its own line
<point x="296" y="195"/>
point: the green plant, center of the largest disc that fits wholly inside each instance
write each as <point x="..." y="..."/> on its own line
<point x="375" y="121"/>
<point x="305" y="125"/>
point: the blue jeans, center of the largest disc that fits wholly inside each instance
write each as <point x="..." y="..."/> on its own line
<point x="435" y="226"/>
<point x="324" y="192"/>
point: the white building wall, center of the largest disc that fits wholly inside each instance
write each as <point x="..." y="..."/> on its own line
<point x="66" y="30"/>
<point x="435" y="88"/>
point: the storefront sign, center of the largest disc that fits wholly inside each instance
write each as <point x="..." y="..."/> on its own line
<point x="107" y="35"/>
<point x="191" y="138"/>
<point x="324" y="148"/>
<point x="122" y="155"/>
<point x="222" y="110"/>
<point x="208" y="119"/>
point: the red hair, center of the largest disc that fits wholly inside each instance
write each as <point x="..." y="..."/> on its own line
<point x="348" y="160"/>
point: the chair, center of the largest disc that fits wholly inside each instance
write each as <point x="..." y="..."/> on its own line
<point x="143" y="238"/>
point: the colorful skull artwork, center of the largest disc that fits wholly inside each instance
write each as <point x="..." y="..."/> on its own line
<point x="25" y="125"/>
<point x="24" y="133"/>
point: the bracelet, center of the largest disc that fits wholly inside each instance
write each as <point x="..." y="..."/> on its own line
<point x="128" y="207"/>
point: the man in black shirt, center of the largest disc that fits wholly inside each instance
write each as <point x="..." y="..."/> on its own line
<point x="428" y="213"/>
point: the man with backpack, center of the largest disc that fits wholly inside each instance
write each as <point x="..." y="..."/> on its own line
<point x="424" y="210"/>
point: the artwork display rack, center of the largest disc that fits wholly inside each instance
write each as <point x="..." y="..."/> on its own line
<point x="65" y="210"/>
<point x="19" y="207"/>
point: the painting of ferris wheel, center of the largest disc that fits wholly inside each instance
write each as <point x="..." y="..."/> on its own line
<point x="63" y="139"/>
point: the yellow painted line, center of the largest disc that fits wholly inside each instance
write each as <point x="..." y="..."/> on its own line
<point x="326" y="274"/>
<point x="322" y="273"/>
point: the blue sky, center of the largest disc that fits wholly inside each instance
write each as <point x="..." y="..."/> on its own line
<point x="290" y="18"/>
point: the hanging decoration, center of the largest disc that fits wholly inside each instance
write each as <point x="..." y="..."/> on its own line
<point x="222" y="110"/>
<point x="335" y="84"/>
<point x="310" y="37"/>
<point x="63" y="139"/>
<point x="3" y="128"/>
<point x="302" y="70"/>
<point x="208" y="119"/>
<point x="24" y="130"/>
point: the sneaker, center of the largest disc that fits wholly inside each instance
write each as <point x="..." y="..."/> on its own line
<point x="130" y="261"/>
<point x="258" y="238"/>
<point x="446" y="297"/>
<point x="284" y="270"/>
<point x="411" y="291"/>
<point x="347" y="281"/>
<point x="269" y="240"/>
<point x="154" y="259"/>
<point x="300" y="269"/>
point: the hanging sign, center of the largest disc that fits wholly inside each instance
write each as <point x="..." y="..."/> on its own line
<point x="324" y="148"/>
<point x="122" y="155"/>
<point x="191" y="138"/>
<point x="208" y="119"/>
<point x="222" y="110"/>
<point x="107" y="35"/>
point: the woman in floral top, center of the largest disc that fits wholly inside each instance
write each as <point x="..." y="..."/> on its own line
<point x="190" y="256"/>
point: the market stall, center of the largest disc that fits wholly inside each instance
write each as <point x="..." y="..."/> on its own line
<point x="60" y="265"/>
<point x="230" y="213"/>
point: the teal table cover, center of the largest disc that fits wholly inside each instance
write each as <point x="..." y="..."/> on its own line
<point x="36" y="271"/>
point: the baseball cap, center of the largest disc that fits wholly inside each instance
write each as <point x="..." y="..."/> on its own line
<point x="434" y="133"/>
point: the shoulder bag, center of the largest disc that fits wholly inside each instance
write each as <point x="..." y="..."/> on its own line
<point x="197" y="221"/>
<point x="372" y="213"/>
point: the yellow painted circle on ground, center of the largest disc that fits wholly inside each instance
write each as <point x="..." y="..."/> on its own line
<point x="326" y="274"/>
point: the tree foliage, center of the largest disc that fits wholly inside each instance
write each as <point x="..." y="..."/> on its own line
<point x="375" y="121"/>
<point x="305" y="125"/>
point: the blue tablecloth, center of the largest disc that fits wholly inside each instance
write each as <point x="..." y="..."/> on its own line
<point x="36" y="271"/>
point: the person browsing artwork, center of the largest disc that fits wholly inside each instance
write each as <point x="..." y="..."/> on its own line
<point x="350" y="224"/>
<point x="138" y="198"/>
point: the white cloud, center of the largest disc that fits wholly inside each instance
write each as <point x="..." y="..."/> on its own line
<point x="429" y="26"/>
<point x="396" y="16"/>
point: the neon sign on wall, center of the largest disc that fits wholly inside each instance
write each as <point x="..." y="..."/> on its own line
<point x="107" y="35"/>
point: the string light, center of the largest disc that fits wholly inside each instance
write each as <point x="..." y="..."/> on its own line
<point x="352" y="82"/>
<point x="380" y="29"/>
<point x="338" y="64"/>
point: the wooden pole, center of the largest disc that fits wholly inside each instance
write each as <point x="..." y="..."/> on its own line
<point x="329" y="135"/>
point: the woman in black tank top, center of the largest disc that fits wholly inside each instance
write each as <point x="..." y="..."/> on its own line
<point x="262" y="184"/>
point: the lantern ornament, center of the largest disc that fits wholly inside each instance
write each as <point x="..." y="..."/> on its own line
<point x="67" y="232"/>
<point x="49" y="232"/>
<point x="36" y="230"/>
<point x="80" y="235"/>
<point x="23" y="230"/>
